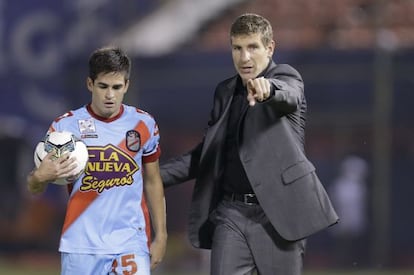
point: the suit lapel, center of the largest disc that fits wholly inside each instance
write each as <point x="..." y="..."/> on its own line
<point x="203" y="198"/>
<point x="216" y="132"/>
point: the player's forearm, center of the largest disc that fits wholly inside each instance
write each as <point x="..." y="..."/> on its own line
<point x="35" y="184"/>
<point x="154" y="192"/>
<point x="158" y="215"/>
<point x="160" y="225"/>
<point x="156" y="204"/>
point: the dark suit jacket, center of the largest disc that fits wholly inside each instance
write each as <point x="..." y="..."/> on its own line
<point x="272" y="153"/>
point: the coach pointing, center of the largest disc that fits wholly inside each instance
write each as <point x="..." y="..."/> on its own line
<point x="257" y="197"/>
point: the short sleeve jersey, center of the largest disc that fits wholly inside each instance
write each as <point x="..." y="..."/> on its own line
<point x="106" y="211"/>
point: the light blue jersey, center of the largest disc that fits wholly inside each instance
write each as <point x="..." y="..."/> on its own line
<point x="106" y="212"/>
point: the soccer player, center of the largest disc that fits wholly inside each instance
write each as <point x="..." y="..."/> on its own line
<point x="106" y="228"/>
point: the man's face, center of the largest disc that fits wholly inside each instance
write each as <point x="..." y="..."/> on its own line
<point x="108" y="92"/>
<point x="250" y="56"/>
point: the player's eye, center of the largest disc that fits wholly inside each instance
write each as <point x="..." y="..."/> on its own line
<point x="102" y="86"/>
<point x="117" y="87"/>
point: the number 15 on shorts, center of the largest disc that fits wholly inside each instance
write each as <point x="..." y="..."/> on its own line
<point x="131" y="264"/>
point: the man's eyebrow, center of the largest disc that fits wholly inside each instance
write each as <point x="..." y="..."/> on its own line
<point x="253" y="44"/>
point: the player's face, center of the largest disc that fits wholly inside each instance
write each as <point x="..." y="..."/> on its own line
<point x="108" y="92"/>
<point x="250" y="56"/>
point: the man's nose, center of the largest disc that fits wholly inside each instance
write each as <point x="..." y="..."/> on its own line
<point x="245" y="55"/>
<point x="109" y="93"/>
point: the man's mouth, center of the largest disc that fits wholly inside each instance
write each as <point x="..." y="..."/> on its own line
<point x="246" y="69"/>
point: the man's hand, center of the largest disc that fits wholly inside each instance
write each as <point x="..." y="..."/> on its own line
<point x="258" y="90"/>
<point x="49" y="170"/>
<point x="157" y="250"/>
<point x="52" y="168"/>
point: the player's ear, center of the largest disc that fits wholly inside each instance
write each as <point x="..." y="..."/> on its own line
<point x="126" y="85"/>
<point x="89" y="84"/>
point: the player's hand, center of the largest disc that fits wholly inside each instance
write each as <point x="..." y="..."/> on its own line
<point x="157" y="251"/>
<point x="49" y="170"/>
<point x="52" y="168"/>
<point x="258" y="90"/>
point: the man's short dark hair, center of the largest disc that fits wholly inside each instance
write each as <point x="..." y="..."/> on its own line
<point x="109" y="60"/>
<point x="251" y="23"/>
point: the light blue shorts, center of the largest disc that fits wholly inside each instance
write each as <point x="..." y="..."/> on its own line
<point x="106" y="264"/>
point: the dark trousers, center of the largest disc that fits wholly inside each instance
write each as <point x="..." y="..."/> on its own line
<point x="245" y="242"/>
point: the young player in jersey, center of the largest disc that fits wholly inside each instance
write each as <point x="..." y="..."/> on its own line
<point x="106" y="228"/>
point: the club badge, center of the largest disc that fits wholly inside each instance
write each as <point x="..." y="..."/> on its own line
<point x="133" y="140"/>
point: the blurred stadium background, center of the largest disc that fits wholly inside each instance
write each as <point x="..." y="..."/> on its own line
<point x="356" y="58"/>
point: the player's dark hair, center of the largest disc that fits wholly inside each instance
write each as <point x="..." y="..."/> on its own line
<point x="251" y="23"/>
<point x="109" y="60"/>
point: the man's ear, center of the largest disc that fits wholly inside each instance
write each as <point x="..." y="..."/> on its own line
<point x="89" y="83"/>
<point x="271" y="48"/>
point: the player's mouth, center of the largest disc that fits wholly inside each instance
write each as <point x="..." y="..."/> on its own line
<point x="109" y="104"/>
<point x="246" y="69"/>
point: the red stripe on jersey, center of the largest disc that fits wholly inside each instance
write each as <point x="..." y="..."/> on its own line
<point x="142" y="129"/>
<point x="77" y="205"/>
<point x="147" y="218"/>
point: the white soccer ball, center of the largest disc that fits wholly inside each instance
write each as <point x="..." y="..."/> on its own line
<point x="61" y="142"/>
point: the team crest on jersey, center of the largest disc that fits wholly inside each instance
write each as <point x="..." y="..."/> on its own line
<point x="133" y="140"/>
<point x="87" y="128"/>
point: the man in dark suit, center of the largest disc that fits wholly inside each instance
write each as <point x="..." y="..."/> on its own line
<point x="256" y="197"/>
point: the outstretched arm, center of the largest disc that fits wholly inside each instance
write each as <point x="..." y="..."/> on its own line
<point x="282" y="87"/>
<point x="182" y="168"/>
